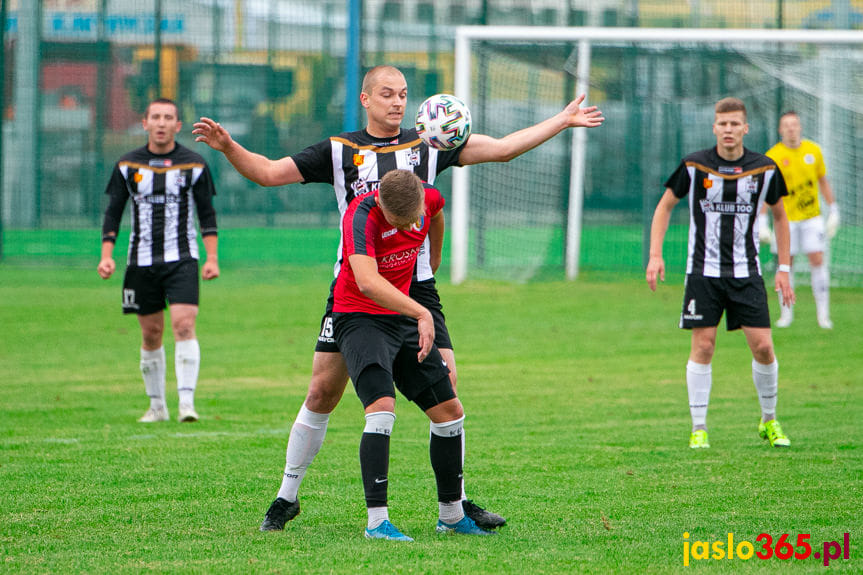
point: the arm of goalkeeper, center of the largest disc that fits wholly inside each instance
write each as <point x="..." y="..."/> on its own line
<point x="765" y="234"/>
<point x="832" y="220"/>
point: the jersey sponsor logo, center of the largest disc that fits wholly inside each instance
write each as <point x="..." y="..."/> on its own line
<point x="158" y="198"/>
<point x="359" y="187"/>
<point x="389" y="233"/>
<point x="399" y="258"/>
<point x="730" y="170"/>
<point x="161" y="162"/>
<point x="732" y="208"/>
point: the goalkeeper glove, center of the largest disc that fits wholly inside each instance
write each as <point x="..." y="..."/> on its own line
<point x="765" y="234"/>
<point x="833" y="221"/>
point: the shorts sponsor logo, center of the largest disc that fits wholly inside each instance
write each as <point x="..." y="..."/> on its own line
<point x="129" y="299"/>
<point x="690" y="313"/>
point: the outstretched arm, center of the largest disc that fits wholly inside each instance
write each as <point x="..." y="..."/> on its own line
<point x="258" y="168"/>
<point x="658" y="228"/>
<point x="375" y="287"/>
<point x="481" y="148"/>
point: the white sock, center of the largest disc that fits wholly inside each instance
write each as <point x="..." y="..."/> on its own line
<point x="450" y="512"/>
<point x="306" y="439"/>
<point x="187" y="364"/>
<point x="153" y="371"/>
<point x="377" y="515"/>
<point x="766" y="378"/>
<point x="821" y="290"/>
<point x="698" y="380"/>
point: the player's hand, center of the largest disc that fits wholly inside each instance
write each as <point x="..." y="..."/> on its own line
<point x="577" y="117"/>
<point x="833" y="221"/>
<point x="783" y="286"/>
<point x="213" y="134"/>
<point x="655" y="269"/>
<point x="210" y="271"/>
<point x="765" y="234"/>
<point x="425" y="326"/>
<point x="106" y="268"/>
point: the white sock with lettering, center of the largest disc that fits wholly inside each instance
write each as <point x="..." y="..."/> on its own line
<point x="766" y="378"/>
<point x="187" y="364"/>
<point x="698" y="381"/>
<point x="820" y="279"/>
<point x="306" y="439"/>
<point x="153" y="371"/>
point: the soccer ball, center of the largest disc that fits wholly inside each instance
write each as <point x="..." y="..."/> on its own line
<point x="443" y="122"/>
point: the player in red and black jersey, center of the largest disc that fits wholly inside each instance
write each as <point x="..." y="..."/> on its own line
<point x="168" y="184"/>
<point x="354" y="163"/>
<point x="385" y="337"/>
<point x="727" y="185"/>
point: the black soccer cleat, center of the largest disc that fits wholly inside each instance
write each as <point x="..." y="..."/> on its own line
<point x="280" y="512"/>
<point x="483" y="518"/>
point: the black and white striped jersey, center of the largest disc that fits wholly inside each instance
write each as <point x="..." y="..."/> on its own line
<point x="724" y="201"/>
<point x="355" y="162"/>
<point x="166" y="190"/>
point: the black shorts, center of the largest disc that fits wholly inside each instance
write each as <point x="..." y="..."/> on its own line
<point x="391" y="342"/>
<point x="425" y="293"/>
<point x="743" y="299"/>
<point x="147" y="288"/>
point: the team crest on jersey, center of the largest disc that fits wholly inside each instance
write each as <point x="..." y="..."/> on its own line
<point x="730" y="170"/>
<point x="161" y="162"/>
<point x="418" y="225"/>
<point x="707" y="183"/>
<point x="138" y="177"/>
<point x="359" y="159"/>
<point x="752" y="187"/>
<point x="809" y="159"/>
<point x="414" y="158"/>
<point x="360" y="187"/>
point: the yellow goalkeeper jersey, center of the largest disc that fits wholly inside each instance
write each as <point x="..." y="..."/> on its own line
<point x="801" y="167"/>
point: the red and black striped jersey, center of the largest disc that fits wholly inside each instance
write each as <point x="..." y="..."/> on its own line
<point x="365" y="231"/>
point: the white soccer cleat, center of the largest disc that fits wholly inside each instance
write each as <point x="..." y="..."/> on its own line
<point x="187" y="414"/>
<point x="153" y="415"/>
<point x="825" y="323"/>
<point x="784" y="320"/>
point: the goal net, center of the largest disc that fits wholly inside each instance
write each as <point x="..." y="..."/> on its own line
<point x="584" y="200"/>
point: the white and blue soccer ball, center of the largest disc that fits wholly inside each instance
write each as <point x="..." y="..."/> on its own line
<point x="443" y="122"/>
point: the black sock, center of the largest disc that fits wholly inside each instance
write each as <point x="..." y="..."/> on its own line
<point x="445" y="455"/>
<point x="375" y="463"/>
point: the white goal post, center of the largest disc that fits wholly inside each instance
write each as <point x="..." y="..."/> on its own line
<point x="584" y="38"/>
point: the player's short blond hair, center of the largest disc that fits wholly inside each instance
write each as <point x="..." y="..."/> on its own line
<point x="371" y="77"/>
<point x="726" y="105"/>
<point x="402" y="194"/>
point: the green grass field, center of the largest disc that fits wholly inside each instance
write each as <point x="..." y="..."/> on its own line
<point x="577" y="424"/>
